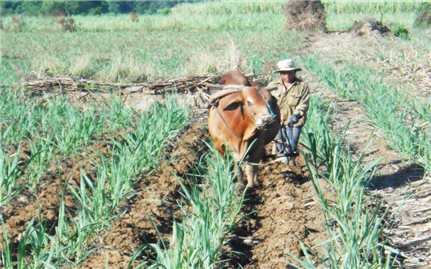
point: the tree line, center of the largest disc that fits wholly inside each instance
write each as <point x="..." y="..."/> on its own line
<point x="95" y="7"/>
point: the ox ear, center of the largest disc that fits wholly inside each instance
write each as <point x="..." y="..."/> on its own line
<point x="233" y="105"/>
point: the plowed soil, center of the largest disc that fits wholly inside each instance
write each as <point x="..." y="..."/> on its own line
<point x="42" y="204"/>
<point x="154" y="206"/>
<point x="277" y="216"/>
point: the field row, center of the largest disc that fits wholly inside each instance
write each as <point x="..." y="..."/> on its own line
<point x="88" y="194"/>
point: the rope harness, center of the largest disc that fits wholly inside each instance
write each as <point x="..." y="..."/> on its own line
<point x="225" y="123"/>
<point x="268" y="105"/>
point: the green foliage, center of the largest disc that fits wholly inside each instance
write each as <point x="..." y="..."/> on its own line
<point x="371" y="6"/>
<point x="10" y="171"/>
<point x="424" y="6"/>
<point x="97" y="199"/>
<point x="354" y="229"/>
<point x="18" y="23"/>
<point x="400" y="31"/>
<point x="392" y="114"/>
<point x="86" y="7"/>
<point x="228" y="8"/>
<point x="341" y="15"/>
<point x="226" y="43"/>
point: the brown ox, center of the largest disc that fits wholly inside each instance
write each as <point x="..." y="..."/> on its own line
<point x="243" y="119"/>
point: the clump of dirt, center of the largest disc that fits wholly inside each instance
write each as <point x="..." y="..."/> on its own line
<point x="305" y="15"/>
<point x="370" y="27"/>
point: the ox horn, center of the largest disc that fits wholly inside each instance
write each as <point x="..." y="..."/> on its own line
<point x="226" y="91"/>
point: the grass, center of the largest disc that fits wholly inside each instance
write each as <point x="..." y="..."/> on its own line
<point x="17" y="118"/>
<point x="341" y="15"/>
<point x="10" y="172"/>
<point x="118" y="50"/>
<point x="142" y="56"/>
<point x="197" y="39"/>
<point x="50" y="130"/>
<point x="214" y="15"/>
<point x="383" y="6"/>
<point x="410" y="56"/>
<point x="343" y="21"/>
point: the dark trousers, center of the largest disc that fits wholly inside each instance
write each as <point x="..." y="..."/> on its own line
<point x="290" y="140"/>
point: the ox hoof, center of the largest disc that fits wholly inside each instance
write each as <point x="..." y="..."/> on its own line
<point x="253" y="185"/>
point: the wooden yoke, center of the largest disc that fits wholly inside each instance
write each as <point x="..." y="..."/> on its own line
<point x="227" y="90"/>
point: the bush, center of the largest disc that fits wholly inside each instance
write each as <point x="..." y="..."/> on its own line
<point x="401" y="32"/>
<point x="67" y="23"/>
<point x="133" y="16"/>
<point x="164" y="11"/>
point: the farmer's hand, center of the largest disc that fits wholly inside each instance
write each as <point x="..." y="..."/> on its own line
<point x="294" y="118"/>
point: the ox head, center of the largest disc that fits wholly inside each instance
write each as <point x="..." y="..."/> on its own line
<point x="255" y="103"/>
<point x="260" y="106"/>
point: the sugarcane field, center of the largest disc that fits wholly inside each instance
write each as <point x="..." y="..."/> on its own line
<point x="215" y="134"/>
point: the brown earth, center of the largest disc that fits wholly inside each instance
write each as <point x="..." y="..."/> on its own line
<point x="278" y="216"/>
<point x="42" y="205"/>
<point x="154" y="205"/>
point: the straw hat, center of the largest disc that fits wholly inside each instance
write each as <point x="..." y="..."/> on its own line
<point x="287" y="65"/>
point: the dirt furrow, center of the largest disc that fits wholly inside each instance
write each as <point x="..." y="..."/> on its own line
<point x="155" y="204"/>
<point x="279" y="215"/>
<point x="43" y="206"/>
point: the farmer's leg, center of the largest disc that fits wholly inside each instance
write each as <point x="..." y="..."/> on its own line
<point x="294" y="139"/>
<point x="279" y="140"/>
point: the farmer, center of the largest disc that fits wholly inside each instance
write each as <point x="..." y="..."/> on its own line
<point x="292" y="96"/>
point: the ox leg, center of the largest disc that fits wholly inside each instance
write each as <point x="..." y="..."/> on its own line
<point x="240" y="174"/>
<point x="251" y="171"/>
<point x="220" y="147"/>
<point x="237" y="166"/>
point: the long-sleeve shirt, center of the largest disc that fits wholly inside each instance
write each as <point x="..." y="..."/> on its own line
<point x="292" y="100"/>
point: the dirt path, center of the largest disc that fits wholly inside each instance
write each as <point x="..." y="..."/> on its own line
<point x="278" y="215"/>
<point x="409" y="229"/>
